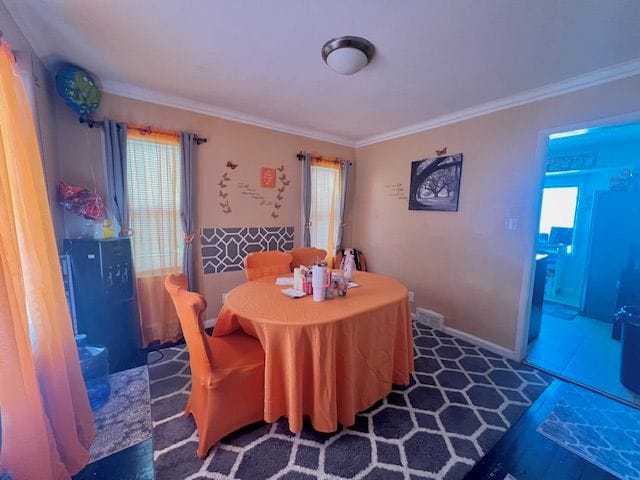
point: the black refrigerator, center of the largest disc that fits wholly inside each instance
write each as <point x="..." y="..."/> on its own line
<point x="615" y="233"/>
<point x="104" y="298"/>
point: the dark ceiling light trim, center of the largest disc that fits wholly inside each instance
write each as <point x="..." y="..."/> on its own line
<point x="362" y="44"/>
<point x="348" y="41"/>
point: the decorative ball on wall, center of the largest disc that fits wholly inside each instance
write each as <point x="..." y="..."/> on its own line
<point x="78" y="90"/>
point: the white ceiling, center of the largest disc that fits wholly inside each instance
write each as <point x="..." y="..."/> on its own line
<point x="259" y="61"/>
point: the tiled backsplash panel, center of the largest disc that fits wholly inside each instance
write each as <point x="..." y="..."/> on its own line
<point x="224" y="249"/>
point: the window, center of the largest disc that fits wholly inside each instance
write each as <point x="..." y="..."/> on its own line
<point x="153" y="186"/>
<point x="558" y="213"/>
<point x="325" y="205"/>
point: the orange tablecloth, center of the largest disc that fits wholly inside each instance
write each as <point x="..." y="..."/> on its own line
<point x="328" y="360"/>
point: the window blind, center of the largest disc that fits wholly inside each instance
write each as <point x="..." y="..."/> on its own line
<point x="325" y="205"/>
<point x="153" y="187"/>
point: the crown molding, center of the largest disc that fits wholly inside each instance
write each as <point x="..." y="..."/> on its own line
<point x="580" y="82"/>
<point x="146" y="95"/>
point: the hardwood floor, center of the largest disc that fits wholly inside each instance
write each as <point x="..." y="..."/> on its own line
<point x="527" y="455"/>
<point x="133" y="463"/>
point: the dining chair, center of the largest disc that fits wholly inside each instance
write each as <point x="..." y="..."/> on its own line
<point x="264" y="264"/>
<point x="307" y="256"/>
<point x="227" y="373"/>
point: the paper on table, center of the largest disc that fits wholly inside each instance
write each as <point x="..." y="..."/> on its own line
<point x="353" y="285"/>
<point x="293" y="293"/>
<point x="284" y="281"/>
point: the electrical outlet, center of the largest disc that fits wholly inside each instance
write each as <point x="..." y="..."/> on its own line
<point x="411" y="296"/>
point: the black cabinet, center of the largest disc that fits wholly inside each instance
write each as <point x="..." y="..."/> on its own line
<point x="628" y="295"/>
<point x="104" y="297"/>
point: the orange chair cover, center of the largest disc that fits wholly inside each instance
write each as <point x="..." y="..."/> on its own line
<point x="263" y="264"/>
<point x="227" y="374"/>
<point x="307" y="256"/>
<point x="328" y="360"/>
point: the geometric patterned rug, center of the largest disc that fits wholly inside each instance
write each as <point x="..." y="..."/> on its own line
<point x="125" y="419"/>
<point x="460" y="401"/>
<point x="601" y="430"/>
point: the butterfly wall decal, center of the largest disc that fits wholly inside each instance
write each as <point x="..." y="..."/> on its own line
<point x="225" y="182"/>
<point x="441" y="152"/>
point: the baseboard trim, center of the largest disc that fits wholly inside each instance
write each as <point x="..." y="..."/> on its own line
<point x="477" y="341"/>
<point x="480" y="342"/>
<point x="210" y="322"/>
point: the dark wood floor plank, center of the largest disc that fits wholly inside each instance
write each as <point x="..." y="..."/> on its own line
<point x="133" y="463"/>
<point x="528" y="455"/>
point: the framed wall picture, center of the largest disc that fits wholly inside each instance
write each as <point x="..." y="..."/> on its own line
<point x="435" y="183"/>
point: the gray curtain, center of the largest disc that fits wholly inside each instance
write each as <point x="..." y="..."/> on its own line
<point x="186" y="207"/>
<point x="344" y="170"/>
<point x="306" y="200"/>
<point x="115" y="159"/>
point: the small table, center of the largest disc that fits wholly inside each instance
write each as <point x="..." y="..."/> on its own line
<point x="328" y="360"/>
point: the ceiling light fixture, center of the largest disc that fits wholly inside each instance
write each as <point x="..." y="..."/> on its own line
<point x="347" y="55"/>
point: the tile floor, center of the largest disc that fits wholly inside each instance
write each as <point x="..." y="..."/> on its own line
<point x="581" y="350"/>
<point x="571" y="300"/>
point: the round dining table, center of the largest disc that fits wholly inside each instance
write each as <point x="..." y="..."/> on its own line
<point x="326" y="360"/>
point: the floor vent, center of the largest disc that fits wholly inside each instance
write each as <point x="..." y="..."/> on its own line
<point x="430" y="318"/>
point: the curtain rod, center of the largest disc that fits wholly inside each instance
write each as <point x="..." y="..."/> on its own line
<point x="300" y="156"/>
<point x="98" y="123"/>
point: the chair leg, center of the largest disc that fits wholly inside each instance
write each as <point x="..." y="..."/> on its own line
<point x="203" y="449"/>
<point x="207" y="438"/>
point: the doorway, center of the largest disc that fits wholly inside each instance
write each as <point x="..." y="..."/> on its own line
<point x="587" y="255"/>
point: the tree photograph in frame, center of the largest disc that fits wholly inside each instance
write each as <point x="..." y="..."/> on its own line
<point x="435" y="183"/>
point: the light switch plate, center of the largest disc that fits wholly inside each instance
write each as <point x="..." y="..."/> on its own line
<point x="511" y="223"/>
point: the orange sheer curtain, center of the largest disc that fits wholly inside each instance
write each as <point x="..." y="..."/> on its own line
<point x="153" y="183"/>
<point x="325" y="204"/>
<point x="46" y="419"/>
